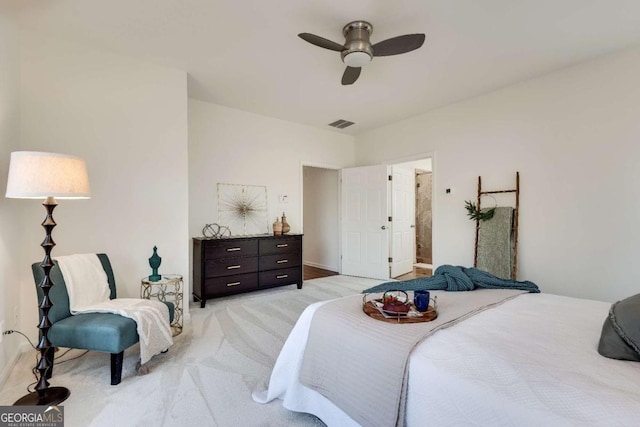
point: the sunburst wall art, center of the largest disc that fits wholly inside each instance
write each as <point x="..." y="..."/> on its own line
<point x="243" y="208"/>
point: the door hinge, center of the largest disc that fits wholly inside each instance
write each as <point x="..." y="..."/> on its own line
<point x="390" y="178"/>
<point x="418" y="185"/>
<point x="390" y="259"/>
<point x="390" y="219"/>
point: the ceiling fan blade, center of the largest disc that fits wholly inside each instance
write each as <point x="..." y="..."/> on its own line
<point x="397" y="45"/>
<point x="350" y="75"/>
<point x="321" y="42"/>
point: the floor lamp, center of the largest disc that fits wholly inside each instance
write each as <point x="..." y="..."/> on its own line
<point x="38" y="175"/>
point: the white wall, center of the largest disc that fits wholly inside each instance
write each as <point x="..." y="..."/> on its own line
<point x="236" y="147"/>
<point x="573" y="135"/>
<point x="321" y="215"/>
<point x="10" y="235"/>
<point x="128" y="120"/>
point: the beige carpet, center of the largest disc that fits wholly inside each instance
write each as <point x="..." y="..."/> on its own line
<point x="206" y="378"/>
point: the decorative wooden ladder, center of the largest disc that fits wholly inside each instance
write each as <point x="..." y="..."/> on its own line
<point x="514" y="271"/>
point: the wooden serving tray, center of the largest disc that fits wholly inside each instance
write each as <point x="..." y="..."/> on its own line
<point x="427" y="316"/>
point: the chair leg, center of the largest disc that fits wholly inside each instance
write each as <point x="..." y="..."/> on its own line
<point x="116" y="367"/>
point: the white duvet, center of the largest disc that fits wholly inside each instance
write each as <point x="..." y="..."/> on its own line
<point x="531" y="361"/>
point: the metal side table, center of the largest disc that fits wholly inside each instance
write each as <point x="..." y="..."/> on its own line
<point x="167" y="289"/>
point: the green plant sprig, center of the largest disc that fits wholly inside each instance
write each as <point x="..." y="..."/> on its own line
<point x="477" y="215"/>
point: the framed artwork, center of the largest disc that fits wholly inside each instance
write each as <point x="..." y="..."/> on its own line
<point x="243" y="209"/>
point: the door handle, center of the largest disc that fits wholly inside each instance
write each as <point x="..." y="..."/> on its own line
<point x="413" y="226"/>
<point x="384" y="227"/>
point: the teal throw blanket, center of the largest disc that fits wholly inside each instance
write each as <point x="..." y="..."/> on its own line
<point x="453" y="278"/>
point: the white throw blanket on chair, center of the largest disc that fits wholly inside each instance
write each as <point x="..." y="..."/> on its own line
<point x="88" y="289"/>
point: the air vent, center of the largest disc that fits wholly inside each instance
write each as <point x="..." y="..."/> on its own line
<point x="341" y="124"/>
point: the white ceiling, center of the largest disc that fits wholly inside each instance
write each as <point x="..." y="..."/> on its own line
<point x="246" y="54"/>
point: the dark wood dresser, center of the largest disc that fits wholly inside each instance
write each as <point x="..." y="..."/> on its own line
<point x="233" y="265"/>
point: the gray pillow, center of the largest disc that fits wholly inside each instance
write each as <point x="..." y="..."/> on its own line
<point x="620" y="337"/>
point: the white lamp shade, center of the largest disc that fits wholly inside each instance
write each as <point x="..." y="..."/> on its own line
<point x="37" y="175"/>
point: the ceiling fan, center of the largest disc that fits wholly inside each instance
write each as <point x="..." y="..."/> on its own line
<point x="358" y="50"/>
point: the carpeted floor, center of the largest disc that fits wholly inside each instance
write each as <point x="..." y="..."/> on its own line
<point x="207" y="376"/>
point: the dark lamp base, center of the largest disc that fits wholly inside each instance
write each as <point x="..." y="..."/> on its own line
<point x="52" y="396"/>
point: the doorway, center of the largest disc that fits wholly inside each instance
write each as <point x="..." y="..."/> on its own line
<point x="421" y="254"/>
<point x="424" y="232"/>
<point x="378" y="220"/>
<point x="320" y="214"/>
<point x="353" y="224"/>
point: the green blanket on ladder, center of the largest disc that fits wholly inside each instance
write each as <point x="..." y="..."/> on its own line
<point x="495" y="243"/>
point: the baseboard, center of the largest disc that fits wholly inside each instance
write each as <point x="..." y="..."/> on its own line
<point x="8" y="368"/>
<point x="322" y="266"/>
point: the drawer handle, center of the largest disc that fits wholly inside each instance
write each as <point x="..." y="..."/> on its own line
<point x="282" y="276"/>
<point x="233" y="284"/>
<point x="233" y="267"/>
<point x="282" y="261"/>
<point x="282" y="245"/>
<point x="233" y="249"/>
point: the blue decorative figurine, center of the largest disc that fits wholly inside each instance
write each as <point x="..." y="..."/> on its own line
<point x="154" y="262"/>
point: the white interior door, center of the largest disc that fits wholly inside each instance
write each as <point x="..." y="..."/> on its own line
<point x="403" y="212"/>
<point x="364" y="225"/>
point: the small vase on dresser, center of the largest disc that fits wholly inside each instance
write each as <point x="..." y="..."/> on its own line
<point x="277" y="227"/>
<point x="285" y="225"/>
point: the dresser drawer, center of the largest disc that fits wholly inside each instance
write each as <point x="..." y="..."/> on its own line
<point x="229" y="248"/>
<point x="271" y="262"/>
<point x="230" y="266"/>
<point x="230" y="285"/>
<point x="280" y="277"/>
<point x="280" y="245"/>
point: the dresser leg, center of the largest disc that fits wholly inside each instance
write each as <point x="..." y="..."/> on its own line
<point x="300" y="285"/>
<point x="196" y="298"/>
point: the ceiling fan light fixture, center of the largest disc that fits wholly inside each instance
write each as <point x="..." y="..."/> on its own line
<point x="357" y="59"/>
<point x="357" y="50"/>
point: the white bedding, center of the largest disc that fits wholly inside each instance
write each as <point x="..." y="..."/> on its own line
<point x="531" y="361"/>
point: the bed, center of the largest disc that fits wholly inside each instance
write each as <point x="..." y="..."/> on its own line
<point x="531" y="360"/>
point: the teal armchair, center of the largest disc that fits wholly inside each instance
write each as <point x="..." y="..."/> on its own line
<point x="103" y="332"/>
